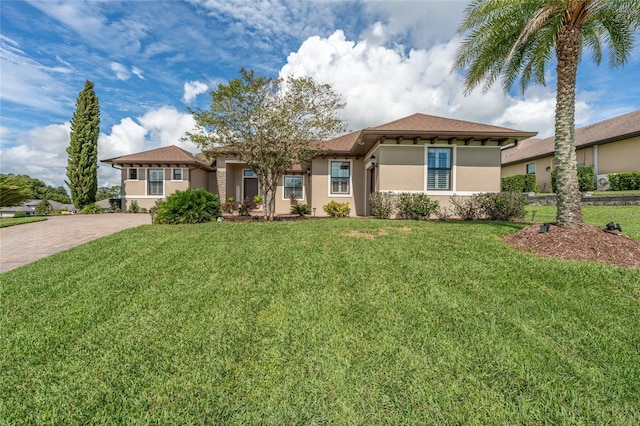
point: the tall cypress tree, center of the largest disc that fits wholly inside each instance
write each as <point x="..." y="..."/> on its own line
<point x="82" y="166"/>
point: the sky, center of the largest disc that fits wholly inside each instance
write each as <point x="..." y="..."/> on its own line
<point x="152" y="60"/>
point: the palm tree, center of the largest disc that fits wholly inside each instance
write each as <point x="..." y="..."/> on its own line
<point x="517" y="38"/>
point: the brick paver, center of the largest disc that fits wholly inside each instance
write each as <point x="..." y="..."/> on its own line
<point x="27" y="243"/>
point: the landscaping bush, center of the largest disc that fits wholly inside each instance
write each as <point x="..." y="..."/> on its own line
<point x="244" y="209"/>
<point x="415" y="206"/>
<point x="624" y="181"/>
<point x="134" y="207"/>
<point x="382" y="204"/>
<point x="20" y="214"/>
<point x="519" y="183"/>
<point x="335" y="209"/>
<point x="502" y="206"/>
<point x="300" y="209"/>
<point x="43" y="208"/>
<point x="586" y="179"/>
<point x="91" y="209"/>
<point x="466" y="208"/>
<point x="190" y="206"/>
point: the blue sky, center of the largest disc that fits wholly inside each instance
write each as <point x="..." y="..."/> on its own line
<point x="151" y="60"/>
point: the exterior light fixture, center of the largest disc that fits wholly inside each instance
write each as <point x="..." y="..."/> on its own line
<point x="308" y="172"/>
<point x="373" y="161"/>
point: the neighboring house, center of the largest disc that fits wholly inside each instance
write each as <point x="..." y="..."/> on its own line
<point x="29" y="207"/>
<point x="610" y="146"/>
<point x="419" y="154"/>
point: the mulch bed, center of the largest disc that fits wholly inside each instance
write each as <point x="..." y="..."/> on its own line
<point x="585" y="242"/>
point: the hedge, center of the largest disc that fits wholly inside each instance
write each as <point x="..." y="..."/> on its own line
<point x="519" y="183"/>
<point x="624" y="181"/>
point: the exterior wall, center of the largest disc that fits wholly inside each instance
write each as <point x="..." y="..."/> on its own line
<point x="283" y="204"/>
<point x="137" y="190"/>
<point x="620" y="156"/>
<point x="320" y="183"/>
<point x="199" y="178"/>
<point x="401" y="168"/>
<point x="543" y="175"/>
<point x="171" y="186"/>
<point x="477" y="169"/>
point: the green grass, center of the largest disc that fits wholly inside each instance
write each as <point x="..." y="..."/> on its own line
<point x="297" y="323"/>
<point x="13" y="221"/>
<point x="627" y="216"/>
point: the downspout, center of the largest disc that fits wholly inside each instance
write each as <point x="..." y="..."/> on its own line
<point x="595" y="165"/>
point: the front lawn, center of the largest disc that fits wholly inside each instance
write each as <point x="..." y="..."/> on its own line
<point x="13" y="221"/>
<point x="342" y="321"/>
<point x="627" y="216"/>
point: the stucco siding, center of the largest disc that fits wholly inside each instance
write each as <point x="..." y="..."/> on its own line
<point x="401" y="168"/>
<point x="477" y="169"/>
<point x="320" y="183"/>
<point x="620" y="156"/>
<point x="198" y="178"/>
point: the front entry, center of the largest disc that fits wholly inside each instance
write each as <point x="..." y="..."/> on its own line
<point x="250" y="185"/>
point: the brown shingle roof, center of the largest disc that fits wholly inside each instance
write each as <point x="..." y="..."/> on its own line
<point x="622" y="127"/>
<point x="162" y="156"/>
<point x="423" y="126"/>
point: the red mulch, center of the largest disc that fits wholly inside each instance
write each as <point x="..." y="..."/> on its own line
<point x="580" y="243"/>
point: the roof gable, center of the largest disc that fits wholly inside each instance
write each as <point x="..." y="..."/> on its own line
<point x="166" y="155"/>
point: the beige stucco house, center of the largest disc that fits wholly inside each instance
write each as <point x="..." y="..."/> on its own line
<point x="420" y="154"/>
<point x="610" y="146"/>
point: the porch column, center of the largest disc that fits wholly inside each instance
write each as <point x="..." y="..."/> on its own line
<point x="221" y="177"/>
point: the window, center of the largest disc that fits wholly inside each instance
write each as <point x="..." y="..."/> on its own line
<point x="531" y="168"/>
<point x="340" y="176"/>
<point x="176" y="174"/>
<point x="293" y="185"/>
<point x="248" y="173"/>
<point x="439" y="169"/>
<point x="156" y="178"/>
<point x="133" y="174"/>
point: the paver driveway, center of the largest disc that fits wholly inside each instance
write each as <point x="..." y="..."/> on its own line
<point x="26" y="243"/>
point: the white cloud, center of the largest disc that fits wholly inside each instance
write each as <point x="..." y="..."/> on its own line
<point x="167" y="126"/>
<point x="193" y="89"/>
<point x="122" y="73"/>
<point x="380" y="84"/>
<point x="138" y="72"/>
<point x="4" y="132"/>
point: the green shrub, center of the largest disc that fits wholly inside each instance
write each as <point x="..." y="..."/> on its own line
<point x="415" y="206"/>
<point x="381" y="204"/>
<point x="257" y="199"/>
<point x="43" y="208"/>
<point x="20" y="214"/>
<point x="586" y="179"/>
<point x="628" y="181"/>
<point x="466" y="208"/>
<point x="300" y="209"/>
<point x="134" y="207"/>
<point x="91" y="209"/>
<point x="335" y="209"/>
<point x="502" y="206"/>
<point x="519" y="183"/>
<point x="190" y="206"/>
<point x="116" y="204"/>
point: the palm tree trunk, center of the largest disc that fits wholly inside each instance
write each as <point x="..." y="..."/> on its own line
<point x="568" y="54"/>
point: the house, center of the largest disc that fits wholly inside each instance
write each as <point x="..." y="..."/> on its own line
<point x="420" y="153"/>
<point x="610" y="146"/>
<point x="29" y="208"/>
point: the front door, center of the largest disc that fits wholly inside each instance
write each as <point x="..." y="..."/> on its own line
<point x="250" y="188"/>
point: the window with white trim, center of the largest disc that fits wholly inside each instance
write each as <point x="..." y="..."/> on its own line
<point x="155" y="179"/>
<point x="340" y="177"/>
<point x="176" y="174"/>
<point x="132" y="174"/>
<point x="531" y="168"/>
<point x="439" y="169"/>
<point x="293" y="185"/>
